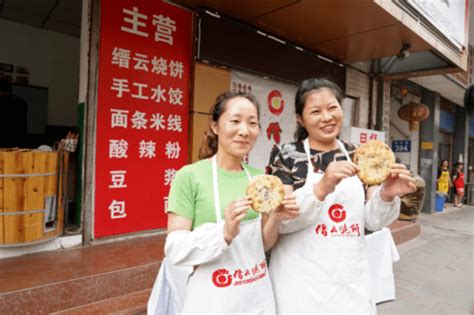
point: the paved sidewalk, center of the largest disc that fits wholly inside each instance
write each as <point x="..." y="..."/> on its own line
<point x="435" y="274"/>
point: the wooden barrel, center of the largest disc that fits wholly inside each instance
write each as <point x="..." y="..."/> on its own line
<point x="31" y="209"/>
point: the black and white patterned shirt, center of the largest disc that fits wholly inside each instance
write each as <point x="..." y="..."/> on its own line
<point x="289" y="163"/>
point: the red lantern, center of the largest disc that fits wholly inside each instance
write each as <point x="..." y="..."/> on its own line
<point x="414" y="113"/>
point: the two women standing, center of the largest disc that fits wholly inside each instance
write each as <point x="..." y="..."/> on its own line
<point x="444" y="181"/>
<point x="319" y="261"/>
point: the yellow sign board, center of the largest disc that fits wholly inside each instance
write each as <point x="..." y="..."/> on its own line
<point x="427" y="145"/>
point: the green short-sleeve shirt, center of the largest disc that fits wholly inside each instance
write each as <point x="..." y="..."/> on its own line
<point x="192" y="197"/>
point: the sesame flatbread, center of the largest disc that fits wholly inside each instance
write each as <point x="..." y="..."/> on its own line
<point x="374" y="160"/>
<point x="266" y="192"/>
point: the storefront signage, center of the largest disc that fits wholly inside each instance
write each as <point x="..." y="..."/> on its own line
<point x="360" y="135"/>
<point x="401" y="145"/>
<point x="446" y="121"/>
<point x="142" y="112"/>
<point x="447" y="16"/>
<point x="427" y="145"/>
<point x="277" y="117"/>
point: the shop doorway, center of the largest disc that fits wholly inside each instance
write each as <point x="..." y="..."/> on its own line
<point x="469" y="171"/>
<point x="445" y="150"/>
<point x="39" y="74"/>
<point x="470" y="166"/>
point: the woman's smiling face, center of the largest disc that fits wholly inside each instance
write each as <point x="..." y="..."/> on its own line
<point x="322" y="117"/>
<point x="237" y="129"/>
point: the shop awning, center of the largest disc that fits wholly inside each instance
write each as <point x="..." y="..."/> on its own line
<point x="345" y="31"/>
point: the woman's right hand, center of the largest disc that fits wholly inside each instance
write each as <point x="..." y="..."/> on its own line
<point x="234" y="213"/>
<point x="335" y="172"/>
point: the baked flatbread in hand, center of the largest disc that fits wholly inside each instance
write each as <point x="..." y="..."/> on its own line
<point x="374" y="159"/>
<point x="266" y="192"/>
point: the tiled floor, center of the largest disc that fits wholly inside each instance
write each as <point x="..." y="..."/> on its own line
<point x="95" y="275"/>
<point x="44" y="268"/>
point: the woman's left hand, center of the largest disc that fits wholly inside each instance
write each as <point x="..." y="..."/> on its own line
<point x="287" y="210"/>
<point x="398" y="183"/>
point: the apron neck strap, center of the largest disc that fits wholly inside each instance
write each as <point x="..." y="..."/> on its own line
<point x="343" y="149"/>
<point x="215" y="186"/>
<point x="308" y="153"/>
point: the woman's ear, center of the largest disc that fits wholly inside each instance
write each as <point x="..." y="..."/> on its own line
<point x="214" y="127"/>
<point x="299" y="120"/>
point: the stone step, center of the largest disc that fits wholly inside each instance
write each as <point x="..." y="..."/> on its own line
<point x="97" y="277"/>
<point x="50" y="282"/>
<point x="403" y="231"/>
<point x="132" y="303"/>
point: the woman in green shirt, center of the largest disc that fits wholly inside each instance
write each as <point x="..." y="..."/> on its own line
<point x="210" y="224"/>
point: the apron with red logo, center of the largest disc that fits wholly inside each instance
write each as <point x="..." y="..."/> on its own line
<point x="443" y="182"/>
<point x="238" y="282"/>
<point x="324" y="267"/>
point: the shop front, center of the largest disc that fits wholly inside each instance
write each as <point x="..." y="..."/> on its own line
<point x="133" y="149"/>
<point x="149" y="73"/>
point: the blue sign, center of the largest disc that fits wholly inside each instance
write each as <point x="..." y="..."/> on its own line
<point x="401" y="145"/>
<point x="446" y="121"/>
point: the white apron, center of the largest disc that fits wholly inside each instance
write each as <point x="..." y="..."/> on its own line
<point x="324" y="268"/>
<point x="238" y="282"/>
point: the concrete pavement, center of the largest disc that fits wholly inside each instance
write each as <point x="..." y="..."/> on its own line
<point x="435" y="274"/>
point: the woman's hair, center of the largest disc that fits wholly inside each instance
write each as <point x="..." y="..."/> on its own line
<point x="306" y="88"/>
<point x="209" y="143"/>
<point x="440" y="168"/>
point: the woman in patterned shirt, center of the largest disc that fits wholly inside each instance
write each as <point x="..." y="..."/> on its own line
<point x="319" y="263"/>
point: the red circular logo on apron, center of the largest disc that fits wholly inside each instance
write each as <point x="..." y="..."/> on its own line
<point x="337" y="213"/>
<point x="221" y="278"/>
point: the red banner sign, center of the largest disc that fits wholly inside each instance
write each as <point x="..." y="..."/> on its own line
<point x="142" y="112"/>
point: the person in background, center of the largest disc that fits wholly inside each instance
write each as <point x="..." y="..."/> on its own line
<point x="458" y="182"/>
<point x="210" y="224"/>
<point x="13" y="118"/>
<point x="444" y="178"/>
<point x="319" y="263"/>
